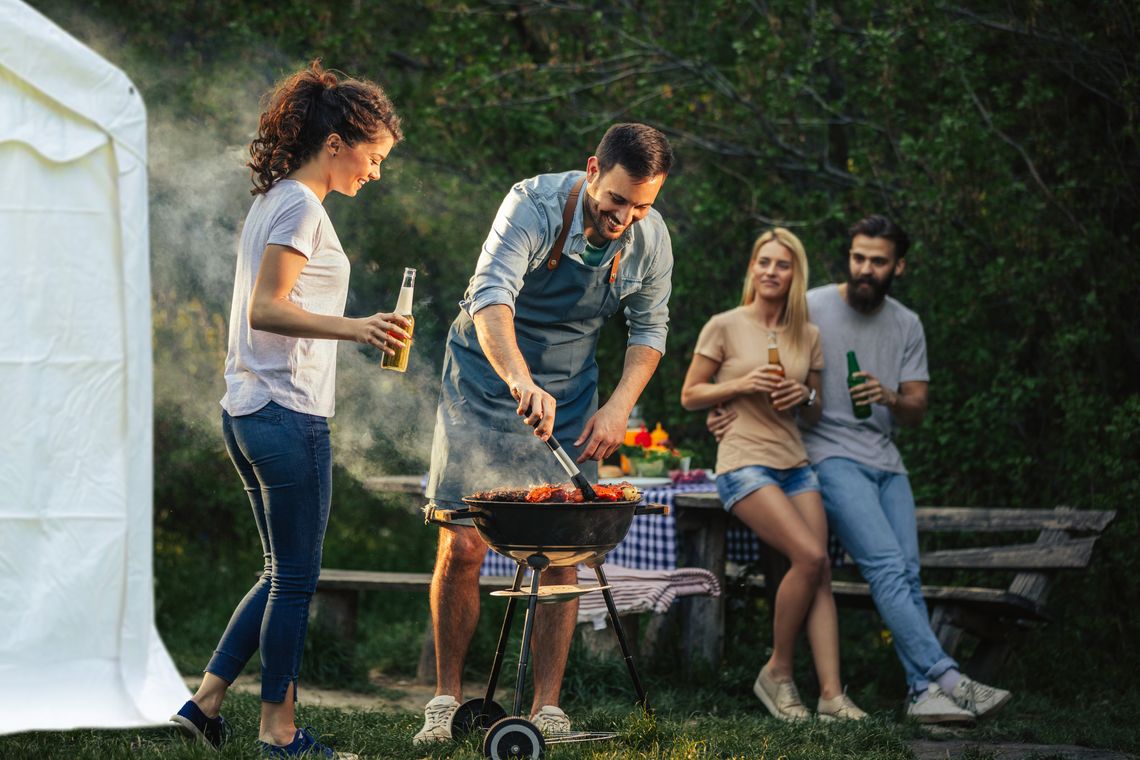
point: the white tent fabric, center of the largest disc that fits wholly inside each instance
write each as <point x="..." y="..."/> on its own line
<point x="78" y="646"/>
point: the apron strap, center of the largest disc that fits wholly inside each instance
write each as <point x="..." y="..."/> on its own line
<point x="567" y="215"/>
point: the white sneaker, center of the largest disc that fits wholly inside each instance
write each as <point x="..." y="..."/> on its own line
<point x="838" y="708"/>
<point x="437" y="721"/>
<point x="934" y="706"/>
<point x="977" y="697"/>
<point x="551" y="721"/>
<point x="780" y="697"/>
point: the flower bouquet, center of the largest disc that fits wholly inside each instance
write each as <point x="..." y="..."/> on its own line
<point x="649" y="455"/>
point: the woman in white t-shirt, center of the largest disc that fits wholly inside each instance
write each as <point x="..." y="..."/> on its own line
<point x="763" y="474"/>
<point x="320" y="133"/>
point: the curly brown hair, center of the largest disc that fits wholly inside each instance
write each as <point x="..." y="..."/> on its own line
<point x="304" y="109"/>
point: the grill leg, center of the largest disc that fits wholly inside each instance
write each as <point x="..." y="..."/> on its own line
<point x="501" y="649"/>
<point x="537" y="563"/>
<point x="642" y="698"/>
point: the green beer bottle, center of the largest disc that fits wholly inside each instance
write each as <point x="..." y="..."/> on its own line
<point x="862" y="411"/>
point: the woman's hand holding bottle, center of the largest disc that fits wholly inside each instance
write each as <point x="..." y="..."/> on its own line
<point x="384" y="330"/>
<point x="764" y="379"/>
<point x="789" y="394"/>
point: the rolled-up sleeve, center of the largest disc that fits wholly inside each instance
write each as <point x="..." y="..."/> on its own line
<point x="647" y="310"/>
<point x="517" y="232"/>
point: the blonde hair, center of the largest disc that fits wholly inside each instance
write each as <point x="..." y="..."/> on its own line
<point x="795" y="314"/>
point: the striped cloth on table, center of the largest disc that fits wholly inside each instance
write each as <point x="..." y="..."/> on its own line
<point x="641" y="590"/>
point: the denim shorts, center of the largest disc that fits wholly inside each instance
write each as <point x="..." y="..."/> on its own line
<point x="734" y="485"/>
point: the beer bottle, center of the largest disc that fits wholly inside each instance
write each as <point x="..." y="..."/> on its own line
<point x="399" y="360"/>
<point x="774" y="355"/>
<point x="862" y="411"/>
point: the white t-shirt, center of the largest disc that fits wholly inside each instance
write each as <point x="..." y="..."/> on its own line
<point x="297" y="373"/>
<point x="891" y="345"/>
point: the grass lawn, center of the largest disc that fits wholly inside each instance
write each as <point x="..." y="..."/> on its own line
<point x="703" y="716"/>
<point x="695" y="722"/>
<point x="386" y="735"/>
<point x="1064" y="693"/>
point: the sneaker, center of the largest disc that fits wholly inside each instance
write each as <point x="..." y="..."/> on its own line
<point x="211" y="732"/>
<point x="839" y="708"/>
<point x="304" y="744"/>
<point x="437" y="721"/>
<point x="551" y="721"/>
<point x="934" y="706"/>
<point x="780" y="697"/>
<point x="977" y="697"/>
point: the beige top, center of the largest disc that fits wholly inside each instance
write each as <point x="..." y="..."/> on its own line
<point x="738" y="341"/>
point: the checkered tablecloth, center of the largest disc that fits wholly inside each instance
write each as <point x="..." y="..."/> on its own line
<point x="651" y="543"/>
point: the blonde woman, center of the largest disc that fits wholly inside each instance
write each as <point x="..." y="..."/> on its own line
<point x="763" y="474"/>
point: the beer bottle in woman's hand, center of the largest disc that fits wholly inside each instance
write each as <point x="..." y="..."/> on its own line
<point x="399" y="360"/>
<point x="774" y="356"/>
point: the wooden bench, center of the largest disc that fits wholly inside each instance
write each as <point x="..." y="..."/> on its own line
<point x="336" y="602"/>
<point x="335" y="606"/>
<point x="997" y="613"/>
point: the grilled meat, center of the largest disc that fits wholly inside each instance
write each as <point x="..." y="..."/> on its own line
<point x="561" y="493"/>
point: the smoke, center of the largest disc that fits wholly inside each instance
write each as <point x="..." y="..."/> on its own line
<point x="199" y="196"/>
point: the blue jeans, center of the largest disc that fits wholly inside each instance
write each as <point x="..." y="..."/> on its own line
<point x="285" y="461"/>
<point x="872" y="513"/>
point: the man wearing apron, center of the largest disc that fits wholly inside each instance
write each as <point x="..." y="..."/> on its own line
<point x="564" y="253"/>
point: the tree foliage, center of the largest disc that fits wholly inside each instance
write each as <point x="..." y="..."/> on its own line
<point x="1002" y="136"/>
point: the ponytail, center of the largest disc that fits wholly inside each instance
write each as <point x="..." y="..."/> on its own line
<point x="307" y="107"/>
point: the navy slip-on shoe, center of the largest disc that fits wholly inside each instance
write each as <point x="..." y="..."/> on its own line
<point x="212" y="732"/>
<point x="304" y="744"/>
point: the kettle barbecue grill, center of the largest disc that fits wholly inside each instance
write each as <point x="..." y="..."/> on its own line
<point x="538" y="536"/>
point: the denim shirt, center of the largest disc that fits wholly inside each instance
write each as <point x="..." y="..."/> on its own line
<point x="524" y="231"/>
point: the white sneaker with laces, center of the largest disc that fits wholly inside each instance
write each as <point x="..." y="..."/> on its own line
<point x="934" y="706"/>
<point x="838" y="708"/>
<point x="437" y="721"/>
<point x="780" y="697"/>
<point x="551" y="721"/>
<point x="977" y="697"/>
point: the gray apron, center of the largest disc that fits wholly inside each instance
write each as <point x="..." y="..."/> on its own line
<point x="480" y="440"/>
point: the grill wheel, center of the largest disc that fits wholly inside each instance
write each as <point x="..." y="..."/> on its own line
<point x="513" y="739"/>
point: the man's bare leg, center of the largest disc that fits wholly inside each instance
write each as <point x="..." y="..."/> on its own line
<point x="550" y="645"/>
<point x="455" y="603"/>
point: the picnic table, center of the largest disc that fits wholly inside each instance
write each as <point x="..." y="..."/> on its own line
<point x="651" y="547"/>
<point x="704" y="539"/>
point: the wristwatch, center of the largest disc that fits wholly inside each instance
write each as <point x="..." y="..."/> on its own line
<point x="810" y="400"/>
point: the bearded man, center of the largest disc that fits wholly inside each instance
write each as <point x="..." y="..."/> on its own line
<point x="865" y="488"/>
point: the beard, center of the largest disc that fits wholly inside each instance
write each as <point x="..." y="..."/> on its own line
<point x="598" y="220"/>
<point x="867" y="300"/>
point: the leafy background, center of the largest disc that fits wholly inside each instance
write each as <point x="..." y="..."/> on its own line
<point x="1002" y="136"/>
